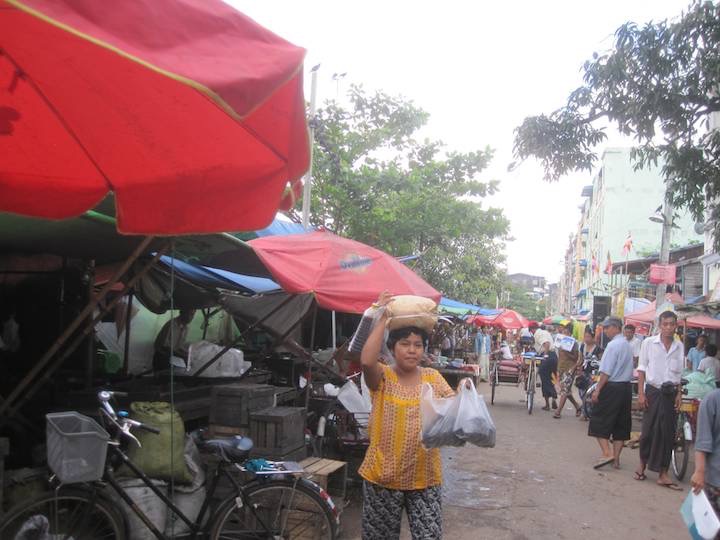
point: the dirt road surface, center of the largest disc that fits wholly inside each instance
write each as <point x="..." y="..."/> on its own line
<point x="538" y="482"/>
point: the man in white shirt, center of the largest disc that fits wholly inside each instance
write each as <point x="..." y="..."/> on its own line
<point x="710" y="364"/>
<point x="659" y="370"/>
<point x="635" y="342"/>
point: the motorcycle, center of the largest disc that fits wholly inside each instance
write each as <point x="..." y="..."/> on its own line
<point x="593" y="366"/>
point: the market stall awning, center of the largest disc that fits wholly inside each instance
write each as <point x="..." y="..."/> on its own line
<point x="460" y="308"/>
<point x="94" y="236"/>
<point x="344" y="275"/>
<point x="646" y="316"/>
<point x="189" y="112"/>
<point x="507" y="319"/>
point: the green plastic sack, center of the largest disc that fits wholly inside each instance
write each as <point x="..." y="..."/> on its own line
<point x="699" y="384"/>
<point x="157" y="458"/>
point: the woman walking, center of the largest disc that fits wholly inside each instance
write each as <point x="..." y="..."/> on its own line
<point x="399" y="472"/>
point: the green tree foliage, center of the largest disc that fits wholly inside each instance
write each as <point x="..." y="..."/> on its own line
<point x="659" y="84"/>
<point x="520" y="301"/>
<point x="373" y="182"/>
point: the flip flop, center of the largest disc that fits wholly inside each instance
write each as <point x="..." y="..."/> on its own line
<point x="556" y="416"/>
<point x="545" y="408"/>
<point x="671" y="485"/>
<point x="602" y="462"/>
<point x="639" y="476"/>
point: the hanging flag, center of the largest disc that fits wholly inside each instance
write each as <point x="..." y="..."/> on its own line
<point x="628" y="245"/>
<point x="595" y="266"/>
<point x="608" y="265"/>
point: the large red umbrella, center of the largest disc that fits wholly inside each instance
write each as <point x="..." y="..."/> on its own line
<point x="507" y="319"/>
<point x="188" y="111"/>
<point x="344" y="275"/>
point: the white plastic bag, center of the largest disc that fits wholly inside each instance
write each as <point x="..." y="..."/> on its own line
<point x="456" y="420"/>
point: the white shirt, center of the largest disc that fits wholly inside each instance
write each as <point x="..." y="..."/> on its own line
<point x="506" y="352"/>
<point x="712" y="364"/>
<point x="541" y="336"/>
<point x="635" y="344"/>
<point x="659" y="364"/>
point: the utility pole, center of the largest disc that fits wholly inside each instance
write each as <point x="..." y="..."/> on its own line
<point x="307" y="187"/>
<point x="667" y="222"/>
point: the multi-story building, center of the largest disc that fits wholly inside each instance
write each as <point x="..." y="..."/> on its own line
<point x="567" y="280"/>
<point x="533" y="286"/>
<point x="618" y="205"/>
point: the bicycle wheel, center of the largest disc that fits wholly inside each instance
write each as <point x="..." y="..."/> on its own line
<point x="72" y="513"/>
<point x="681" y="450"/>
<point x="530" y="389"/>
<point x="280" y="509"/>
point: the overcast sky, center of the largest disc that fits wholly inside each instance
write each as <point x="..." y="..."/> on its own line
<point x="478" y="68"/>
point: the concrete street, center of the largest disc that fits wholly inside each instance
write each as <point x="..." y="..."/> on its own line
<point x="538" y="482"/>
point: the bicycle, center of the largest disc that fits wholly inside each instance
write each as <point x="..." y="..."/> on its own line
<point x="531" y="363"/>
<point x="276" y="504"/>
<point x="684" y="433"/>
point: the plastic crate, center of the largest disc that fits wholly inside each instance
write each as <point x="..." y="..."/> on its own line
<point x="76" y="447"/>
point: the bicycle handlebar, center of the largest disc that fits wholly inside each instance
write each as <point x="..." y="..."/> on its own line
<point x="125" y="424"/>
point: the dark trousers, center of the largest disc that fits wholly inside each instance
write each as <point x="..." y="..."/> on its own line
<point x="658" y="429"/>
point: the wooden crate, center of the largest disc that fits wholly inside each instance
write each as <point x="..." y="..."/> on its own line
<point x="329" y="474"/>
<point x="220" y="431"/>
<point x="298" y="455"/>
<point x="232" y="404"/>
<point x="278" y="430"/>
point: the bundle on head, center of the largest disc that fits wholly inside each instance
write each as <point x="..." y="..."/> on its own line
<point x="407" y="310"/>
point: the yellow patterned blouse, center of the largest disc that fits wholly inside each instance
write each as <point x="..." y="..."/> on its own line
<point x="396" y="459"/>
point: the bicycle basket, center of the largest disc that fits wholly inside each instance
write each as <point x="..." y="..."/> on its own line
<point x="76" y="447"/>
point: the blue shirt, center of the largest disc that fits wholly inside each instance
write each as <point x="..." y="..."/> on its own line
<point x="695" y="356"/>
<point x="617" y="360"/>
<point x="708" y="436"/>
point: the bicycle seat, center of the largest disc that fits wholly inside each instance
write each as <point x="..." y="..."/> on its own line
<point x="231" y="449"/>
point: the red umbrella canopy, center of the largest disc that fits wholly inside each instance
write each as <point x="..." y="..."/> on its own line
<point x="188" y="111"/>
<point x="507" y="319"/>
<point x="344" y="275"/>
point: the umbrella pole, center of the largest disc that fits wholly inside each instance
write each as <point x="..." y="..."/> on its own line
<point x="42" y="365"/>
<point x="309" y="356"/>
<point x="128" y="320"/>
<point x="90" y="353"/>
<point x="334" y="330"/>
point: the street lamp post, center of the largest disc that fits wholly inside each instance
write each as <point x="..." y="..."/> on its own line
<point x="307" y="187"/>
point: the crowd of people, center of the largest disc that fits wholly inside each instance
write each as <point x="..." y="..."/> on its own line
<point x="614" y="356"/>
<point x="402" y="476"/>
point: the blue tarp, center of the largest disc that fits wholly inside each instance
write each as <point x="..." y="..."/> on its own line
<point x="280" y="227"/>
<point x="256" y="284"/>
<point x="214" y="278"/>
<point x="456" y="306"/>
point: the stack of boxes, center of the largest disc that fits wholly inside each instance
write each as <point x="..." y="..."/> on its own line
<point x="231" y="406"/>
<point x="278" y="433"/>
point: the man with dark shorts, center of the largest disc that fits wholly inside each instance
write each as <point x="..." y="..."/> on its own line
<point x="612" y="399"/>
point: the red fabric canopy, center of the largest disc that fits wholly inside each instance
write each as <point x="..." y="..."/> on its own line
<point x="190" y="112"/>
<point x="507" y="319"/>
<point x="646" y="316"/>
<point x="344" y="275"/>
